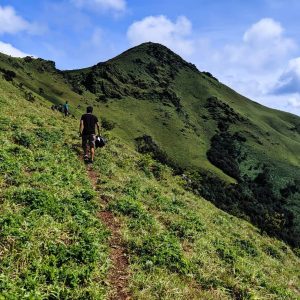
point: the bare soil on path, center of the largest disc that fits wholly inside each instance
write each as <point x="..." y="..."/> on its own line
<point x="118" y="274"/>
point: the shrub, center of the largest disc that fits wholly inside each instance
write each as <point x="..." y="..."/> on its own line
<point x="146" y="145"/>
<point x="23" y="139"/>
<point x="247" y="247"/>
<point x="8" y="75"/>
<point x="254" y="198"/>
<point x="225" y="152"/>
<point x="29" y="96"/>
<point x="226" y="253"/>
<point x="273" y="252"/>
<point x="210" y="75"/>
<point x="102" y="98"/>
<point x="107" y="124"/>
<point x="39" y="200"/>
<point x="128" y="207"/>
<point x="188" y="228"/>
<point x="161" y="250"/>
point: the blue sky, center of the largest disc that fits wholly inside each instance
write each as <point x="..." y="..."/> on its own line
<point x="252" y="46"/>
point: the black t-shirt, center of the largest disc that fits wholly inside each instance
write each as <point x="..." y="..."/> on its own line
<point x="89" y="124"/>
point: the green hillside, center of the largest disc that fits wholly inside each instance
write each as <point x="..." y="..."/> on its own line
<point x="53" y="245"/>
<point x="205" y="129"/>
<point x="236" y="153"/>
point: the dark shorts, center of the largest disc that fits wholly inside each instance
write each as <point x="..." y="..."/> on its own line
<point x="88" y="139"/>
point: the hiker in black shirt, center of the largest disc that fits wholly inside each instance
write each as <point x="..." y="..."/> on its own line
<point x="87" y="130"/>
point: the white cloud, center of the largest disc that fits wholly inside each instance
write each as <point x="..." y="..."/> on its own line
<point x="264" y="47"/>
<point x="115" y="5"/>
<point x="289" y="81"/>
<point x="294" y="65"/>
<point x="12" y="23"/>
<point x="160" y="29"/>
<point x="264" y="30"/>
<point x="261" y="60"/>
<point x="254" y="65"/>
<point x="294" y="101"/>
<point x="11" y="50"/>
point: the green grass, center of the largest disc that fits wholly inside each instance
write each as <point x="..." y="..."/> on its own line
<point x="52" y="245"/>
<point x="179" y="246"/>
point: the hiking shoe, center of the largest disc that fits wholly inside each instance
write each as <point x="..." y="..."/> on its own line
<point x="85" y="157"/>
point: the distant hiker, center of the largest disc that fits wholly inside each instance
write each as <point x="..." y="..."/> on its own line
<point x="66" y="109"/>
<point x="87" y="131"/>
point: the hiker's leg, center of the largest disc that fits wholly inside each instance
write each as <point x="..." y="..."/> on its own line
<point x="92" y="153"/>
<point x="85" y="145"/>
<point x="92" y="146"/>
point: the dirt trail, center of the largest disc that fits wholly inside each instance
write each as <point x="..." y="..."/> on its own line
<point x="118" y="274"/>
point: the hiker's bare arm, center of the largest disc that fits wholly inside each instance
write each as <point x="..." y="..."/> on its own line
<point x="98" y="127"/>
<point x="81" y="127"/>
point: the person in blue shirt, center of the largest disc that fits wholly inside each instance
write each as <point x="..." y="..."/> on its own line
<point x="66" y="108"/>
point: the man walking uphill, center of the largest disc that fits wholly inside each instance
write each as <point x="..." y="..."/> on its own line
<point x="87" y="130"/>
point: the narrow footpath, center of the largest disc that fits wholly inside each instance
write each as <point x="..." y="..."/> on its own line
<point x="118" y="274"/>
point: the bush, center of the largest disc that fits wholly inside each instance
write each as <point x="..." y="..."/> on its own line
<point x="23" y="139"/>
<point x="8" y="75"/>
<point x="224" y="153"/>
<point x="146" y="145"/>
<point x="28" y="59"/>
<point x="29" y="96"/>
<point x="210" y="75"/>
<point x="225" y="253"/>
<point x="188" y="228"/>
<point x="102" y="98"/>
<point x="161" y="250"/>
<point x="273" y="252"/>
<point x="247" y="247"/>
<point x="254" y="198"/>
<point x="39" y="200"/>
<point x="128" y="207"/>
<point x="107" y="124"/>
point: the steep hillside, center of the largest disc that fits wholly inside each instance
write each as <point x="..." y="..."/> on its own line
<point x="178" y="245"/>
<point x="238" y="154"/>
<point x="52" y="246"/>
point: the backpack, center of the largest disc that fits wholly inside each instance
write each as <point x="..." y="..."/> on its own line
<point x="100" y="142"/>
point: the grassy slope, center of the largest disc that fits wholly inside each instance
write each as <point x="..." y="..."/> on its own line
<point x="40" y="74"/>
<point x="135" y="117"/>
<point x="269" y="134"/>
<point x="52" y="246"/>
<point x="180" y="246"/>
<point x="268" y="131"/>
<point x="270" y="138"/>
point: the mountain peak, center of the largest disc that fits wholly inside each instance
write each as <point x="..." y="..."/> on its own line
<point x="154" y="46"/>
<point x="157" y="53"/>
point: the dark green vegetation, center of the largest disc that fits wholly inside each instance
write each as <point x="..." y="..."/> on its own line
<point x="238" y="154"/>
